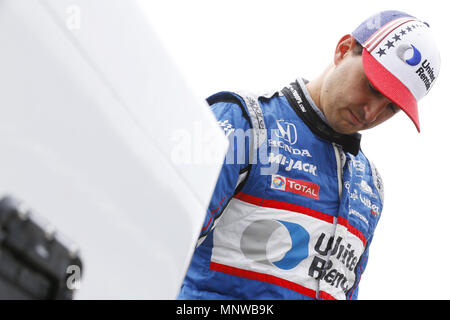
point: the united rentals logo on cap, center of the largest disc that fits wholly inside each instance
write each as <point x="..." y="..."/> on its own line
<point x="400" y="58"/>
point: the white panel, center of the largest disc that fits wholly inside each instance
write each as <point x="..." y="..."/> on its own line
<point x="89" y="112"/>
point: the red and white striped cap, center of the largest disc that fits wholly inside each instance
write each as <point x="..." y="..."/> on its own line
<point x="400" y="58"/>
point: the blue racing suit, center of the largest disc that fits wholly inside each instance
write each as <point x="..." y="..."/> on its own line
<point x="294" y="209"/>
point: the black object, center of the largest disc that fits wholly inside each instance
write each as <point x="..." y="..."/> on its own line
<point x="34" y="262"/>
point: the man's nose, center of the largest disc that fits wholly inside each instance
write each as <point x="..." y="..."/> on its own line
<point x="374" y="108"/>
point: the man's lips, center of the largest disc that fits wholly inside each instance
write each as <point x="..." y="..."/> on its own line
<point x="355" y="120"/>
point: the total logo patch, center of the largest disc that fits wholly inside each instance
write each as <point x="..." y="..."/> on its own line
<point x="303" y="188"/>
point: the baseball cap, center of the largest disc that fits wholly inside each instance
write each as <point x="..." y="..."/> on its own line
<point x="400" y="58"/>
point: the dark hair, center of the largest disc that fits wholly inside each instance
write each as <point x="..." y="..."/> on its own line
<point x="358" y="49"/>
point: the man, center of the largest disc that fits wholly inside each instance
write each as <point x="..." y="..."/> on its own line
<point x="294" y="211"/>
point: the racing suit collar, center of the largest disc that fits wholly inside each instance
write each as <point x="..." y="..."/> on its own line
<point x="303" y="82"/>
<point x="302" y="106"/>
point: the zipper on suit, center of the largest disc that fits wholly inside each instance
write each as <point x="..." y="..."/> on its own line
<point x="340" y="161"/>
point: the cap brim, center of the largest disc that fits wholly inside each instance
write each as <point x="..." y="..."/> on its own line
<point x="390" y="87"/>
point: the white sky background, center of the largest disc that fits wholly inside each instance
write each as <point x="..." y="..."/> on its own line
<point x="260" y="45"/>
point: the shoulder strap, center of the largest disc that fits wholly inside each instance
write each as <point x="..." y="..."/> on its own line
<point x="252" y="110"/>
<point x="256" y="117"/>
<point x="377" y="181"/>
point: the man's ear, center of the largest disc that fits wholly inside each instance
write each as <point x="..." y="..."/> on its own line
<point x="345" y="46"/>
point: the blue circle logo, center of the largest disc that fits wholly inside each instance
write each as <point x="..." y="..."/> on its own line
<point x="256" y="236"/>
<point x="416" y="57"/>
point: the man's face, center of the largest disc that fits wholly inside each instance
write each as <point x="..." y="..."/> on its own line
<point x="348" y="100"/>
